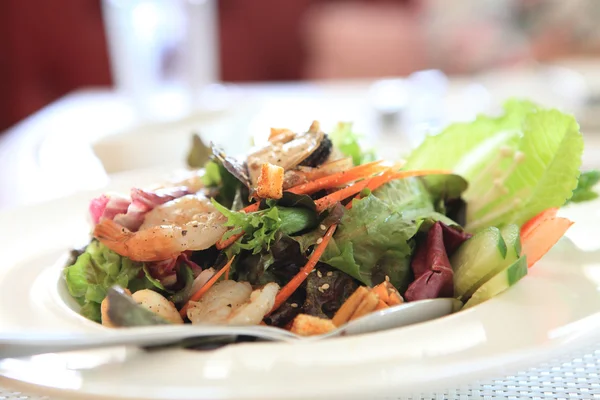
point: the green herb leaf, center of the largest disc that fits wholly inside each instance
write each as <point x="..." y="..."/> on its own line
<point x="585" y="187"/>
<point x="260" y="227"/>
<point x="347" y="141"/>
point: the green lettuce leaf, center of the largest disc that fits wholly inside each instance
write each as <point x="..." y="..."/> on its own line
<point x="371" y="242"/>
<point x="199" y="153"/>
<point x="517" y="165"/>
<point x="212" y="175"/>
<point x="375" y="237"/>
<point x="228" y="187"/>
<point x="185" y="275"/>
<point x="94" y="271"/>
<point x="347" y="141"/>
<point x="413" y="199"/>
<point x="585" y="187"/>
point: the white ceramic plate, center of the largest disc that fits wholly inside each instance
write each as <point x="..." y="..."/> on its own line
<point x="553" y="309"/>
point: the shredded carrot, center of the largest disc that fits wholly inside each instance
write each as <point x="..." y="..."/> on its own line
<point x="333" y="180"/>
<point x="196" y="296"/>
<point x="335" y="197"/>
<point x="252" y="207"/>
<point x="223" y="244"/>
<point x="297" y="280"/>
<point x="337" y="179"/>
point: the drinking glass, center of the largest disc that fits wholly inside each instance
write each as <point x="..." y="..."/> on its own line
<point x="164" y="53"/>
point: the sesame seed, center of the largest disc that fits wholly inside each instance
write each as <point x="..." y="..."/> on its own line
<point x="387" y="278"/>
<point x="319" y="240"/>
<point x="320" y="290"/>
<point x="294" y="305"/>
<point x="325" y="286"/>
<point x="330" y="273"/>
<point x="323" y="227"/>
<point x="319" y="274"/>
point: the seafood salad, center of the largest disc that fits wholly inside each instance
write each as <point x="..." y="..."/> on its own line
<point x="312" y="230"/>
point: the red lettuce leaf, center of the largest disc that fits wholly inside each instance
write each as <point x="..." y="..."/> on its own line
<point x="431" y="266"/>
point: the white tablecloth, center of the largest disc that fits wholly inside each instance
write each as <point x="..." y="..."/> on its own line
<point x="573" y="377"/>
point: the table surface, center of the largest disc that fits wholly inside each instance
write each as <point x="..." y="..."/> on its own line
<point x="33" y="169"/>
<point x="48" y="155"/>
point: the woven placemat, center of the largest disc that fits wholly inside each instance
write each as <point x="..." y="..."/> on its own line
<point x="576" y="376"/>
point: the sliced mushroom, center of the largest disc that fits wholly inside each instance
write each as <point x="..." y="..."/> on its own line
<point x="284" y="154"/>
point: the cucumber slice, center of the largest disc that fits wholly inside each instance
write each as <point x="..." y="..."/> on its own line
<point x="499" y="283"/>
<point x="484" y="270"/>
<point x="475" y="258"/>
<point x="512" y="237"/>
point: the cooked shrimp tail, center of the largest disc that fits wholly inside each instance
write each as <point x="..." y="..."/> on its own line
<point x="187" y="223"/>
<point x="146" y="245"/>
<point x="112" y="235"/>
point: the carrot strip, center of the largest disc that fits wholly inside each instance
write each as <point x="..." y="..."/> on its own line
<point x="329" y="200"/>
<point x="337" y="179"/>
<point x="252" y="207"/>
<point x="297" y="280"/>
<point x="196" y="296"/>
<point x="223" y="244"/>
<point x="540" y="239"/>
<point x="534" y="222"/>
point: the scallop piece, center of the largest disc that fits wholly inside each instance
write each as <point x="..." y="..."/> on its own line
<point x="158" y="304"/>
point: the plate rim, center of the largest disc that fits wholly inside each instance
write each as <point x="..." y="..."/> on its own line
<point x="547" y="348"/>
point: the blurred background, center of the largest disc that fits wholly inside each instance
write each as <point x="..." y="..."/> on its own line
<point x="49" y="49"/>
<point x="93" y="88"/>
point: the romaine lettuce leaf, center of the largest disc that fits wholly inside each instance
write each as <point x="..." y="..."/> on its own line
<point x="95" y="270"/>
<point x="517" y="165"/>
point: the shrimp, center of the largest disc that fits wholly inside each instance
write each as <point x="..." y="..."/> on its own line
<point x="190" y="222"/>
<point x="233" y="303"/>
